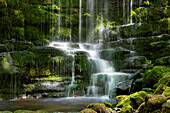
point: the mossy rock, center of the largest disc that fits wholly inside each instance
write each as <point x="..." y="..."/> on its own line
<point x="163" y="89"/>
<point x="99" y="108"/>
<point x="21" y="45"/>
<point x="41" y="111"/>
<point x="122" y="100"/>
<point x="153" y="47"/>
<point x="151" y="77"/>
<point x="107" y="104"/>
<point x="3" y="4"/>
<point x="47" y="51"/>
<point x="165" y="108"/>
<point x="164" y="80"/>
<point x="88" y="111"/>
<point x="18" y="33"/>
<point x="154" y="102"/>
<point x="148" y="90"/>
<point x="24" y="111"/>
<point x="163" y="61"/>
<point x="137" y="98"/>
<point x="126" y="109"/>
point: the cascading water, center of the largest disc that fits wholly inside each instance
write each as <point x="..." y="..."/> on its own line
<point x="59" y="19"/>
<point x="80" y="20"/>
<point x="103" y="77"/>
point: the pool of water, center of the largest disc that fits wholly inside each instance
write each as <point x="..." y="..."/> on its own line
<point x="53" y="104"/>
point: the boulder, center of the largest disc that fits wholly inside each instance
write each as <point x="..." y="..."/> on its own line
<point x="88" y="111"/>
<point x="129" y="103"/>
<point x="123" y="87"/>
<point x="165" y="108"/>
<point x="136" y="75"/>
<point x="99" y="108"/>
<point x="153" y="103"/>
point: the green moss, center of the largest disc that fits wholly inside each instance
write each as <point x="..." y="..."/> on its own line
<point x="18" y="33"/>
<point x="107" y="104"/>
<point x="122" y="100"/>
<point x="164" y="80"/>
<point x="137" y="98"/>
<point x="126" y="109"/>
<point x="151" y="77"/>
<point x="163" y="61"/>
<point x="24" y="111"/>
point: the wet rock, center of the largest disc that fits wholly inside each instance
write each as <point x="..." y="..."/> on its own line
<point x="135" y="62"/>
<point x="136" y="85"/>
<point x="123" y="87"/>
<point x="88" y="111"/>
<point x="99" y="108"/>
<point x="112" y="93"/>
<point x="136" y="75"/>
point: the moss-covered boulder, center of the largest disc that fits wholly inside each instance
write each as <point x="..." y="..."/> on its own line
<point x="153" y="103"/>
<point x="99" y="108"/>
<point x="3" y="4"/>
<point x="163" y="61"/>
<point x="131" y="102"/>
<point x="152" y="76"/>
<point x="88" y="111"/>
<point x="165" y="108"/>
<point x="163" y="89"/>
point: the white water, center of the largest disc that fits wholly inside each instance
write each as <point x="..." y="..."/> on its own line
<point x="80" y="20"/>
<point x="59" y="20"/>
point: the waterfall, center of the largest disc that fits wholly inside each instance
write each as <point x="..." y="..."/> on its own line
<point x="80" y="20"/>
<point x="59" y="20"/>
<point x="90" y="20"/>
<point x="103" y="77"/>
<point x="71" y="12"/>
